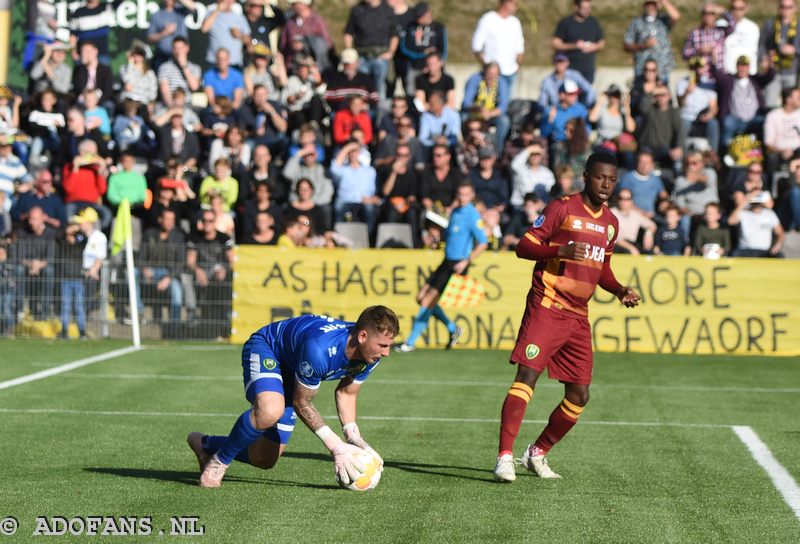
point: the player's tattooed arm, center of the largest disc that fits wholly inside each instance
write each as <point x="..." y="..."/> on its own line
<point x="305" y="408"/>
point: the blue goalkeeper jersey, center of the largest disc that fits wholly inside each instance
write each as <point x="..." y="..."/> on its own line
<point x="464" y="230"/>
<point x="313" y="347"/>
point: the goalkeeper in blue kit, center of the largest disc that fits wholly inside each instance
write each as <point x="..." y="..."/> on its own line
<point x="283" y="366"/>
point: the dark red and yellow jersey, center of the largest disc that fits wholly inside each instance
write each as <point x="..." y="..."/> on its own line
<point x="566" y="284"/>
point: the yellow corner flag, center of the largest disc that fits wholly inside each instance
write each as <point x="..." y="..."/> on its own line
<point x="122" y="227"/>
<point x="462" y="292"/>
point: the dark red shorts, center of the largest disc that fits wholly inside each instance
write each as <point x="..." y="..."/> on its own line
<point x="556" y="341"/>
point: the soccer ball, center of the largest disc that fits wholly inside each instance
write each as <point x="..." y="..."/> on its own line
<point x="369" y="478"/>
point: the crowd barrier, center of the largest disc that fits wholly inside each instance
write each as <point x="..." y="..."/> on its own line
<point x="689" y="305"/>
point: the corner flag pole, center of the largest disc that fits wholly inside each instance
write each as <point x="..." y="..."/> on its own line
<point x="123" y="236"/>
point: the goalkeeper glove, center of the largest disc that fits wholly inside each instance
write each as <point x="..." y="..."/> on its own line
<point x="347" y="467"/>
<point x="353" y="436"/>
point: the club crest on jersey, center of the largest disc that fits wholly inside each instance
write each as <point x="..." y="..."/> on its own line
<point x="306" y="369"/>
<point x="610" y="232"/>
<point x="577" y="224"/>
<point x="269" y="364"/>
<point x="532" y="351"/>
<point x="539" y="221"/>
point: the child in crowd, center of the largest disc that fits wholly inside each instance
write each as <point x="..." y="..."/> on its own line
<point x="670" y="239"/>
<point x="712" y="240"/>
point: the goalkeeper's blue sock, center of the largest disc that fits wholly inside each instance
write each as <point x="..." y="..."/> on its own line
<point x="242" y="435"/>
<point x="420" y="324"/>
<point x="439" y="314"/>
<point x="212" y="444"/>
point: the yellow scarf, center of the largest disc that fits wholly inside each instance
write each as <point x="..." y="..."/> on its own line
<point x="783" y="62"/>
<point x="487" y="96"/>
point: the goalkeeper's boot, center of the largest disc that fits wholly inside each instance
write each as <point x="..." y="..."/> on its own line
<point x="213" y="472"/>
<point x="454" y="336"/>
<point x="195" y="441"/>
<point x="535" y="461"/>
<point x="504" y="470"/>
<point x="404" y="348"/>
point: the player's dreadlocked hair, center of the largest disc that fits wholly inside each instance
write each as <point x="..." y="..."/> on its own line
<point x="380" y="319"/>
<point x="600" y="157"/>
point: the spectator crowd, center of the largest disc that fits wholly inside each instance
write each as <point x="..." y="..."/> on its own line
<point x="277" y="138"/>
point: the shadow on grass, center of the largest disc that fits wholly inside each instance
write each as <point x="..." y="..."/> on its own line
<point x="481" y="474"/>
<point x="190" y="478"/>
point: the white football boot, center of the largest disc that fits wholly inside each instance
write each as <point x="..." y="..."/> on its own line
<point x="505" y="469"/>
<point x="213" y="472"/>
<point x="537" y="463"/>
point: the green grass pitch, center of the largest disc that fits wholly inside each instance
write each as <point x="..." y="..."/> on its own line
<point x="653" y="460"/>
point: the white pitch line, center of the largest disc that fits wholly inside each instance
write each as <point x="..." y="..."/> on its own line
<point x="371" y="418"/>
<point x="781" y="479"/>
<point x="450" y="383"/>
<point x="67" y="367"/>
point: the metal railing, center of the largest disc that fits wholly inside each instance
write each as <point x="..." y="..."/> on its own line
<point x="42" y="287"/>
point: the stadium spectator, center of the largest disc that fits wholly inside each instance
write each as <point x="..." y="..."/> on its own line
<point x="405" y="134"/>
<point x="712" y="240"/>
<point x="645" y="185"/>
<point x="531" y="175"/>
<point x="302" y="94"/>
<point x="5" y="219"/>
<point x="138" y="80"/>
<point x="222" y="183"/>
<point x="548" y="91"/>
<point x="439" y="184"/>
<point x="789" y="211"/>
<point x="35" y="252"/>
<point x="488" y="182"/>
<point x="178" y="143"/>
<point x="760" y="230"/>
<point x="261" y="202"/>
<point x="131" y="133"/>
<point x="166" y="24"/>
<point x="355" y="115"/>
<point x="644" y="84"/>
<point x="308" y="29"/>
<point x="91" y="74"/>
<point x="356" y="191"/>
<point x="51" y="71"/>
<point x="266" y="121"/>
<point x="708" y="39"/>
<point x="371" y="30"/>
<point x="649" y="37"/>
<point x="568" y="107"/>
<point x="263" y="170"/>
<point x="304" y="165"/>
<point x="498" y="38"/>
<point x="91" y="23"/>
<point x="43" y="125"/>
<point x="303" y="203"/>
<point x="434" y="78"/>
<point x="487" y="96"/>
<point x="178" y="72"/>
<point x="670" y="238"/>
<point x="40" y="29"/>
<point x="782" y="131"/>
<point x="439" y="124"/>
<point x="523" y="219"/>
<point x="779" y="42"/>
<point x="400" y="189"/>
<point x="742" y="41"/>
<point x="404" y="15"/>
<point x="76" y="132"/>
<point x="660" y="130"/>
<point x="348" y="81"/>
<point x="223" y="221"/>
<point x="70" y="272"/>
<point x="8" y="285"/>
<point x="264" y="19"/>
<point x="752" y="186"/>
<point x="567" y="182"/>
<point x="265" y="70"/>
<point x="420" y="39"/>
<point x="580" y="37"/>
<point x="42" y="196"/>
<point x="264" y="233"/>
<point x="94" y="256"/>
<point x="14" y="177"/>
<point x="636" y="230"/>
<point x="161" y="259"/>
<point x="227" y="29"/>
<point x="84" y="183"/>
<point x="126" y="183"/>
<point x="741" y="99"/>
<point x="476" y="137"/>
<point x="698" y="103"/>
<point x="614" y="125"/>
<point x="224" y="80"/>
<point x="695" y="188"/>
<point x="235" y="149"/>
<point x="96" y="116"/>
<point x="574" y="149"/>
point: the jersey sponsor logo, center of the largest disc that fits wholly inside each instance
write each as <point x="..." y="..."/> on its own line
<point x="577" y="224"/>
<point x="270" y="364"/>
<point x="532" y="351"/>
<point x="596" y="228"/>
<point x="331" y="328"/>
<point x="594" y="253"/>
<point x="539" y="221"/>
<point x="610" y="232"/>
<point x="306" y="369"/>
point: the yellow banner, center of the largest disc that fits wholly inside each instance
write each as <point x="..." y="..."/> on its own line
<point x="689" y="305"/>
